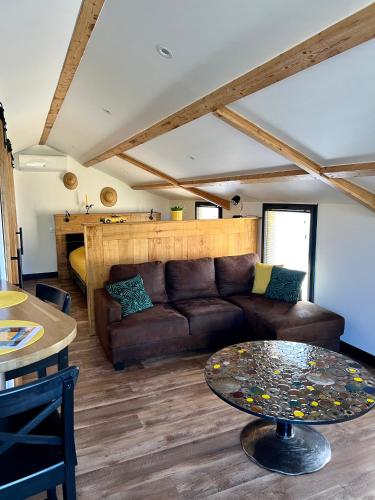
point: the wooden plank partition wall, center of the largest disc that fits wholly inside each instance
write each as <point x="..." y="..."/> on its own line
<point x="8" y="208"/>
<point x="133" y="242"/>
<point x="74" y="225"/>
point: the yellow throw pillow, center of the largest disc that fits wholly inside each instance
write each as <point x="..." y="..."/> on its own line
<point x="262" y="277"/>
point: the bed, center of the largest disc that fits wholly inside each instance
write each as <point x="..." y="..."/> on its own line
<point x="77" y="266"/>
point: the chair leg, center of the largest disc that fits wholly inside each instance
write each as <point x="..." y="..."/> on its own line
<point x="51" y="494"/>
<point x="69" y="487"/>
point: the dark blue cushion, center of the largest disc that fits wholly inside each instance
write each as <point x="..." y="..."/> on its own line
<point x="285" y="284"/>
<point x="131" y="294"/>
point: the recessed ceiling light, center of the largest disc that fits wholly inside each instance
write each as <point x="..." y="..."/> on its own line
<point x="107" y="111"/>
<point x="164" y="51"/>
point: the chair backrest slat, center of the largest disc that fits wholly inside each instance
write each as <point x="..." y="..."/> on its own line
<point x="37" y="393"/>
<point x="49" y="293"/>
<point x="8" y="437"/>
<point x="31" y="424"/>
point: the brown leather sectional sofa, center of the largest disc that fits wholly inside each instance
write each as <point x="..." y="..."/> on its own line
<point x="204" y="303"/>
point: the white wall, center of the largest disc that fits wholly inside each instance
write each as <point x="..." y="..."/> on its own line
<point x="248" y="208"/>
<point x="40" y="195"/>
<point x="345" y="269"/>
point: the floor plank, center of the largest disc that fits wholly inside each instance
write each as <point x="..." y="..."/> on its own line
<point x="156" y="431"/>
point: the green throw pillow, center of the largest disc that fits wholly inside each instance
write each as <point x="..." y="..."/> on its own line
<point x="131" y="294"/>
<point x="285" y="284"/>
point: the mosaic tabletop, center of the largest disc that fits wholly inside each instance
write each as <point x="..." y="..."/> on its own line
<point x="291" y="381"/>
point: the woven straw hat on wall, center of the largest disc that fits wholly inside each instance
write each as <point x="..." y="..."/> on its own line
<point x="70" y="180"/>
<point x="108" y="197"/>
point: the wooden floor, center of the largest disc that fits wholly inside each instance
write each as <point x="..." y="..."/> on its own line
<point x="155" y="431"/>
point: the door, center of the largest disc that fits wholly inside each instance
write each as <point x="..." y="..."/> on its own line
<point x="289" y="239"/>
<point x="3" y="272"/>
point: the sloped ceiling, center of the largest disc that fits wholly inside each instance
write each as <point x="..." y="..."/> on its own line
<point x="34" y="37"/>
<point x="326" y="111"/>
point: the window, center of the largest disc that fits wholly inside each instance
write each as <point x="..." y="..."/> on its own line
<point x="289" y="238"/>
<point x="206" y="210"/>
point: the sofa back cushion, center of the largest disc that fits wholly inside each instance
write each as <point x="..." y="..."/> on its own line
<point x="235" y="275"/>
<point x="189" y="279"/>
<point x="152" y="273"/>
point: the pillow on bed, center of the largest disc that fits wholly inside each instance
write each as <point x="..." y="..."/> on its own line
<point x="131" y="294"/>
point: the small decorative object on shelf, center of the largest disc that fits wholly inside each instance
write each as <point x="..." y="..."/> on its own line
<point x="88" y="208"/>
<point x="88" y="205"/>
<point x="67" y="216"/>
<point x="112" y="219"/>
<point x="151" y="216"/>
<point x="177" y="212"/>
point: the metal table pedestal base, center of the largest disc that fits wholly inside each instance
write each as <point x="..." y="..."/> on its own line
<point x="285" y="448"/>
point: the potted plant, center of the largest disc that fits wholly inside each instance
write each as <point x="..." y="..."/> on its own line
<point x="176" y="212"/>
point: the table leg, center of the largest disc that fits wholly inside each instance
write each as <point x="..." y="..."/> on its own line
<point x="285" y="448"/>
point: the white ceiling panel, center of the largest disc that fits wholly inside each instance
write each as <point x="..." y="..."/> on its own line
<point x="175" y="194"/>
<point x="203" y="147"/>
<point x="34" y="37"/>
<point x="212" y="42"/>
<point x="308" y="191"/>
<point x="327" y="111"/>
<point x="125" y="171"/>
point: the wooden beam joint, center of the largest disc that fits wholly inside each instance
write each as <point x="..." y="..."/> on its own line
<point x="217" y="200"/>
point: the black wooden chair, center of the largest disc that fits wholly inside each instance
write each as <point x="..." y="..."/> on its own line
<point x="37" y="450"/>
<point x="49" y="293"/>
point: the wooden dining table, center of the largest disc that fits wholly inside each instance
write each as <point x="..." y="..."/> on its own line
<point x="59" y="331"/>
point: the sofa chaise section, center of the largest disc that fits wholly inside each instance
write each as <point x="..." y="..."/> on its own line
<point x="302" y="322"/>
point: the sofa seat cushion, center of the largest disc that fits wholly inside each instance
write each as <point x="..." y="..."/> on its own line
<point x="210" y="315"/>
<point x="157" y="324"/>
<point x="303" y="321"/>
<point x="235" y="275"/>
<point x="152" y="273"/>
<point x="190" y="279"/>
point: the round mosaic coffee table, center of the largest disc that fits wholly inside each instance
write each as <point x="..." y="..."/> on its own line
<point x="289" y="385"/>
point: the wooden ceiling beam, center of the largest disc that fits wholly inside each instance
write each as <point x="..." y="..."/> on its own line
<point x="217" y="200"/>
<point x="351" y="170"/>
<point x="86" y="20"/>
<point x="340" y="171"/>
<point x="344" y="35"/>
<point x="281" y="175"/>
<point x="358" y="193"/>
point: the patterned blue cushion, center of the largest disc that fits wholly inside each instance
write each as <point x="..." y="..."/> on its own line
<point x="131" y="294"/>
<point x="285" y="284"/>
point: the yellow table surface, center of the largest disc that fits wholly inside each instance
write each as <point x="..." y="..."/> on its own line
<point x="10" y="298"/>
<point x="15" y="322"/>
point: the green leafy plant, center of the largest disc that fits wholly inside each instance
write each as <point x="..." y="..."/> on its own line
<point x="177" y="208"/>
